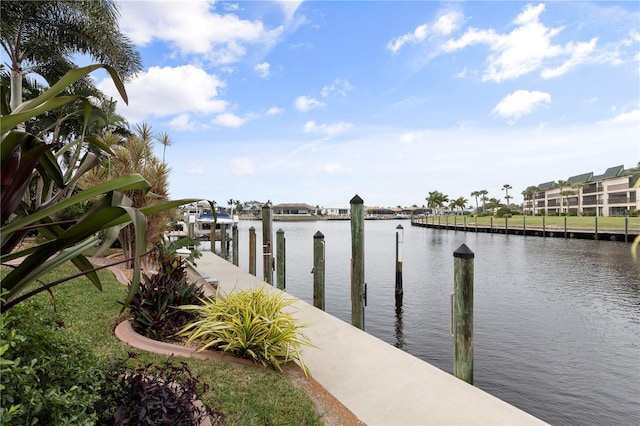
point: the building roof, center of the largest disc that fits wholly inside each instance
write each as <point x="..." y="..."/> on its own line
<point x="294" y="205"/>
<point x="545" y="186"/>
<point x="585" y="177"/>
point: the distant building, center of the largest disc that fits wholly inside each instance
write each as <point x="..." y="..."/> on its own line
<point x="337" y="210"/>
<point x="608" y="194"/>
<point x="294" y="209"/>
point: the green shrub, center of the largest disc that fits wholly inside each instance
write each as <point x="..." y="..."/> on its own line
<point x="502" y="211"/>
<point x="48" y="377"/>
<point x="249" y="324"/>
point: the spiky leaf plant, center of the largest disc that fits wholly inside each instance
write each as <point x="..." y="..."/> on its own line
<point x="249" y="324"/>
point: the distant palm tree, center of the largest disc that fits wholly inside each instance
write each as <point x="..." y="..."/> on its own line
<point x="530" y="193"/>
<point x="166" y="141"/>
<point x="483" y="194"/>
<point x="506" y="187"/>
<point x="562" y="184"/>
<point x="476" y="194"/>
<point x="461" y="202"/>
<point x="436" y="199"/>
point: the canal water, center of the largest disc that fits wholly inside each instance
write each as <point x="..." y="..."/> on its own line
<point x="556" y="321"/>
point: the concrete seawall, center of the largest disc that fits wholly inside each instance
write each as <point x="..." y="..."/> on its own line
<point x="378" y="382"/>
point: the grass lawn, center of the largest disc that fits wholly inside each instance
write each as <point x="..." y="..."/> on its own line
<point x="573" y="222"/>
<point x="246" y="395"/>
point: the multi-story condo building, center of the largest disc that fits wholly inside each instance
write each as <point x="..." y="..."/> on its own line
<point x="609" y="194"/>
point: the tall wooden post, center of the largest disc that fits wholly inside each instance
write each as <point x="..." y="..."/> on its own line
<point x="252" y="251"/>
<point x="491" y="220"/>
<point x="223" y="240"/>
<point x="626" y="229"/>
<point x="357" y="262"/>
<point x="399" y="247"/>
<point x="280" y="260"/>
<point x="524" y="225"/>
<point x="267" y="250"/>
<point x="318" y="270"/>
<point x="463" y="314"/>
<point x="506" y="225"/>
<point x="544" y="226"/>
<point x="596" y="227"/>
<point x="565" y="227"/>
<point x="235" y="244"/>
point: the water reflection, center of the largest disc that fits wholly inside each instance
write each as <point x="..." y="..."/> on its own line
<point x="399" y="328"/>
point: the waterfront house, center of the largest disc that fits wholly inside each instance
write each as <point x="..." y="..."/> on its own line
<point x="294" y="209"/>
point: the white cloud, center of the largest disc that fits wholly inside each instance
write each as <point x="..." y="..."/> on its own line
<point x="632" y="117"/>
<point x="289" y="7"/>
<point x="194" y="29"/>
<point x="327" y="129"/>
<point x="241" y="166"/>
<point x="304" y="103"/>
<point x="274" y="110"/>
<point x="168" y="91"/>
<point x="182" y="122"/>
<point x="229" y="119"/>
<point x="444" y="25"/>
<point x="263" y="69"/>
<point x="339" y="87"/>
<point x="529" y="48"/>
<point x="520" y="102"/>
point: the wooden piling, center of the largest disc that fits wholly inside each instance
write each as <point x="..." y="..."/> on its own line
<point x="463" y="313"/>
<point x="565" y="227"/>
<point x="280" y="260"/>
<point x="626" y="229"/>
<point x="234" y="234"/>
<point x="267" y="250"/>
<point x="318" y="270"/>
<point x="223" y="240"/>
<point x="506" y="225"/>
<point x="399" y="247"/>
<point x="357" y="262"/>
<point x="491" y="220"/>
<point x="544" y="226"/>
<point x="524" y="225"/>
<point x="596" y="228"/>
<point x="252" y="251"/>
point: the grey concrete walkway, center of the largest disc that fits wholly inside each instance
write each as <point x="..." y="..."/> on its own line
<point x="379" y="383"/>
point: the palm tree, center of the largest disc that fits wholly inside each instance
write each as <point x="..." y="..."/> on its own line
<point x="530" y="193"/>
<point x="166" y="141"/>
<point x="231" y="203"/>
<point x="476" y="194"/>
<point x="483" y="195"/>
<point x="561" y="184"/>
<point x="461" y="202"/>
<point x="42" y="37"/>
<point x="436" y="199"/>
<point x="506" y="187"/>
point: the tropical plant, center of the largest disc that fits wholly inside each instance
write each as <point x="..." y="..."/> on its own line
<point x="506" y="187"/>
<point x="155" y="305"/>
<point x="483" y="197"/>
<point x="476" y="194"/>
<point x="166" y="141"/>
<point x="153" y="395"/>
<point x="460" y="203"/>
<point x="530" y="194"/>
<point x="42" y="37"/>
<point x="249" y="324"/>
<point x="436" y="199"/>
<point x="25" y="157"/>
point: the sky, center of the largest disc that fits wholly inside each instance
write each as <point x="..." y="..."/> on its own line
<point x="317" y="101"/>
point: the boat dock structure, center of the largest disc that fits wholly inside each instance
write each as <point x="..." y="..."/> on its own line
<point x="379" y="383"/>
<point x="513" y="227"/>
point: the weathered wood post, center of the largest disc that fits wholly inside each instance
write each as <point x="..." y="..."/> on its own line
<point x="234" y="232"/>
<point x="565" y="227"/>
<point x="491" y="220"/>
<point x="318" y="270"/>
<point x="544" y="226"/>
<point x="506" y="225"/>
<point x="399" y="246"/>
<point x="465" y="223"/>
<point x="462" y="323"/>
<point x="524" y="225"/>
<point x="267" y="236"/>
<point x="626" y="229"/>
<point x="281" y="281"/>
<point x="223" y="240"/>
<point x="596" y="229"/>
<point x="252" y="251"/>
<point x="357" y="262"/>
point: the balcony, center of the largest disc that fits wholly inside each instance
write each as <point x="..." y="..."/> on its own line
<point x="619" y="200"/>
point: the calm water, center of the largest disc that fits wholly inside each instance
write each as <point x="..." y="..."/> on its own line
<point x="556" y="322"/>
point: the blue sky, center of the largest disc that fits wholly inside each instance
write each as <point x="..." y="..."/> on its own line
<point x="314" y="102"/>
